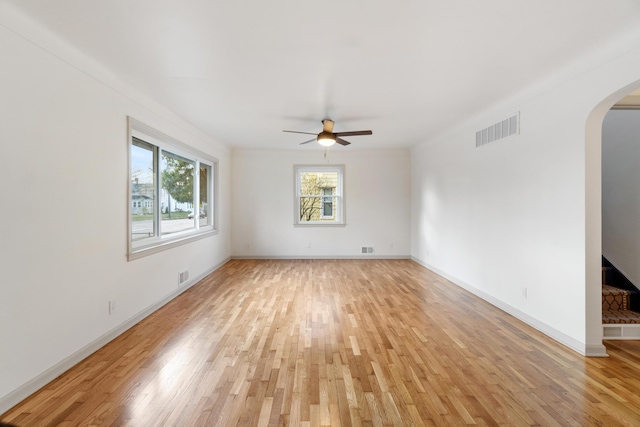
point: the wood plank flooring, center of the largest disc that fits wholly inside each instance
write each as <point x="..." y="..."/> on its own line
<point x="336" y="343"/>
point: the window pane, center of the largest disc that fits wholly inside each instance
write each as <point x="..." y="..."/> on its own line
<point x="328" y="181"/>
<point x="327" y="207"/>
<point x="308" y="183"/>
<point x="309" y="209"/>
<point x="205" y="209"/>
<point x="143" y="191"/>
<point x="176" y="198"/>
<point x="314" y="183"/>
<point x="327" y="203"/>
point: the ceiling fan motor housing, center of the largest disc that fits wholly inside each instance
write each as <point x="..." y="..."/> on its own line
<point x="326" y="135"/>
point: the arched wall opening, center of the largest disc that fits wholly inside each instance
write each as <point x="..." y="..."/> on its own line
<point x="593" y="214"/>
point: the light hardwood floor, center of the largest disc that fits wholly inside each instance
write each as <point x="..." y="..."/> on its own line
<point x="337" y="342"/>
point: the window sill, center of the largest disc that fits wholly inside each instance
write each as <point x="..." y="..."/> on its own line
<point x="168" y="244"/>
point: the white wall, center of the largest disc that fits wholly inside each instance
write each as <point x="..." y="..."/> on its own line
<point x="621" y="191"/>
<point x="377" y="199"/>
<point x="523" y="212"/>
<point x="63" y="179"/>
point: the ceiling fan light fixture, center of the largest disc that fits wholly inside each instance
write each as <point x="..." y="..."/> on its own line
<point x="328" y="137"/>
<point x="326" y="140"/>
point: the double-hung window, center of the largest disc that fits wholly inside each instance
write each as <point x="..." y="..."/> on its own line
<point x="319" y="195"/>
<point x="171" y="189"/>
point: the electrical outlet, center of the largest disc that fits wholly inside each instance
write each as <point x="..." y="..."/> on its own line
<point x="247" y="246"/>
<point x="112" y="307"/>
<point x="524" y="292"/>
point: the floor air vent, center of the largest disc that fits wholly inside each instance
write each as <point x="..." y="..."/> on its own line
<point x="507" y="127"/>
<point x="367" y="249"/>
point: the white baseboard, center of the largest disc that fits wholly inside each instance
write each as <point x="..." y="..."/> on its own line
<point x="595" y="351"/>
<point x="321" y="257"/>
<point x="16" y="396"/>
<point x="562" y="338"/>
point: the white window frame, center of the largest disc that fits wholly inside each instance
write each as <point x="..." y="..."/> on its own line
<point x="162" y="142"/>
<point x="339" y="196"/>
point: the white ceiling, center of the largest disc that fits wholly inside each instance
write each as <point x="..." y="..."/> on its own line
<point x="242" y="71"/>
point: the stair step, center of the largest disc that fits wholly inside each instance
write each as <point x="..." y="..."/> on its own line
<point x="619" y="296"/>
<point x="620" y="317"/>
<point x="614" y="298"/>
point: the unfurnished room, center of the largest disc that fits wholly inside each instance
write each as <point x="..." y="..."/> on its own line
<point x="305" y="213"/>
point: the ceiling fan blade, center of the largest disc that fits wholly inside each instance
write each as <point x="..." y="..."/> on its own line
<point x="295" y="131"/>
<point x="354" y="133"/>
<point x="342" y="141"/>
<point x="311" y="140"/>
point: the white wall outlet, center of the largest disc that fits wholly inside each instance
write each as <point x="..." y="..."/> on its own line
<point x="112" y="307"/>
<point x="247" y="246"/>
<point x="524" y="292"/>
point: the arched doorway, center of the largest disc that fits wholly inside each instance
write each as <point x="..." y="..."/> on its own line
<point x="593" y="218"/>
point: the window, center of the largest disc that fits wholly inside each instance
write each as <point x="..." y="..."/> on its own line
<point x="319" y="195"/>
<point x="171" y="188"/>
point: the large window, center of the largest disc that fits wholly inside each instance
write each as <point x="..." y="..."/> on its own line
<point x="319" y="195"/>
<point x="171" y="190"/>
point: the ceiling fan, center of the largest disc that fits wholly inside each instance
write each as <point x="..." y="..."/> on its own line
<point x="328" y="137"/>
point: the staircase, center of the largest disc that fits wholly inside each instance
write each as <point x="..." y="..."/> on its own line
<point x="620" y="305"/>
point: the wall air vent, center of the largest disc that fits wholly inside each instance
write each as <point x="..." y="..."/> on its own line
<point x="183" y="276"/>
<point x="507" y="127"/>
<point x="367" y="249"/>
